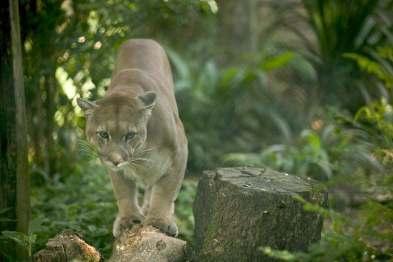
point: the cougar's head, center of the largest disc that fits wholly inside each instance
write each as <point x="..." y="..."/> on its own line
<point x="117" y="127"/>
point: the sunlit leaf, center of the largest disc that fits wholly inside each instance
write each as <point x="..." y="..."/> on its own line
<point x="278" y="61"/>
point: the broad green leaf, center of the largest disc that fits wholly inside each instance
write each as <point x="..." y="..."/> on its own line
<point x="278" y="61"/>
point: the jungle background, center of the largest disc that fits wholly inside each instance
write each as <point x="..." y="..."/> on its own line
<point x="301" y="86"/>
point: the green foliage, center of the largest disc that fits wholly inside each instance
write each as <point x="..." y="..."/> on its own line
<point x="318" y="152"/>
<point x="226" y="102"/>
<point x="346" y="29"/>
<point x="380" y="65"/>
<point x="278" y="61"/>
<point x="300" y="158"/>
<point x="183" y="205"/>
<point x="263" y="111"/>
<point x="339" y="24"/>
<point x="18" y="238"/>
<point x="212" y="5"/>
<point x="373" y="68"/>
<point x="377" y="119"/>
<point x="83" y="202"/>
<point x="347" y="239"/>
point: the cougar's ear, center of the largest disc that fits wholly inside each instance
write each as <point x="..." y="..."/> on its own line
<point x="86" y="106"/>
<point x="148" y="99"/>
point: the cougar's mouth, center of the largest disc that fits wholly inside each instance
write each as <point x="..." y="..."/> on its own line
<point x="114" y="167"/>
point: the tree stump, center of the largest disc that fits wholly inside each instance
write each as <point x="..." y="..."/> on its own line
<point x="239" y="210"/>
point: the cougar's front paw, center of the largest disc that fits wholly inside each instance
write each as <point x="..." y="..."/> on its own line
<point x="122" y="223"/>
<point x="167" y="226"/>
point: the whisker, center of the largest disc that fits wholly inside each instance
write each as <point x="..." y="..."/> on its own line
<point x="139" y="150"/>
<point x="137" y="155"/>
<point x="135" y="164"/>
<point x="141" y="159"/>
<point x="146" y="150"/>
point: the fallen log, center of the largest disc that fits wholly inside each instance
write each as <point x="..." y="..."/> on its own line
<point x="240" y="210"/>
<point x="67" y="246"/>
<point x="145" y="244"/>
<point x="141" y="244"/>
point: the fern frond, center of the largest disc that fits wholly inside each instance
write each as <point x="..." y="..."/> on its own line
<point x="372" y="67"/>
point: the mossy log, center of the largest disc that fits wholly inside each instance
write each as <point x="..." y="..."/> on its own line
<point x="140" y="244"/>
<point x="145" y="244"/>
<point x="239" y="210"/>
<point x="67" y="246"/>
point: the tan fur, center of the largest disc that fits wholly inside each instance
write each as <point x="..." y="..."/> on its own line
<point x="140" y="102"/>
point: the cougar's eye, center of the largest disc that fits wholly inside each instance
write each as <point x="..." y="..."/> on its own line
<point x="130" y="135"/>
<point x="103" y="134"/>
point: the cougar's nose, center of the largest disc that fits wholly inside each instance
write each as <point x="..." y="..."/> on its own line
<point x="116" y="159"/>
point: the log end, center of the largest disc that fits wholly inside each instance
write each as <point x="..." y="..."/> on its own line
<point x="67" y="246"/>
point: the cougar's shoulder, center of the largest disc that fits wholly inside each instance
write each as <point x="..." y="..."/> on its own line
<point x="144" y="54"/>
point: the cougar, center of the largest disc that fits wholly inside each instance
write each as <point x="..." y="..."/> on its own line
<point x="139" y="136"/>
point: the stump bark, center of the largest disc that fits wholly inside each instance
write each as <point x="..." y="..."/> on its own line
<point x="239" y="210"/>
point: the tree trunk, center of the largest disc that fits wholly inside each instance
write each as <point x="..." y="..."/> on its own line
<point x="235" y="37"/>
<point x="50" y="154"/>
<point x="22" y="173"/>
<point x="7" y="133"/>
<point x="239" y="210"/>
